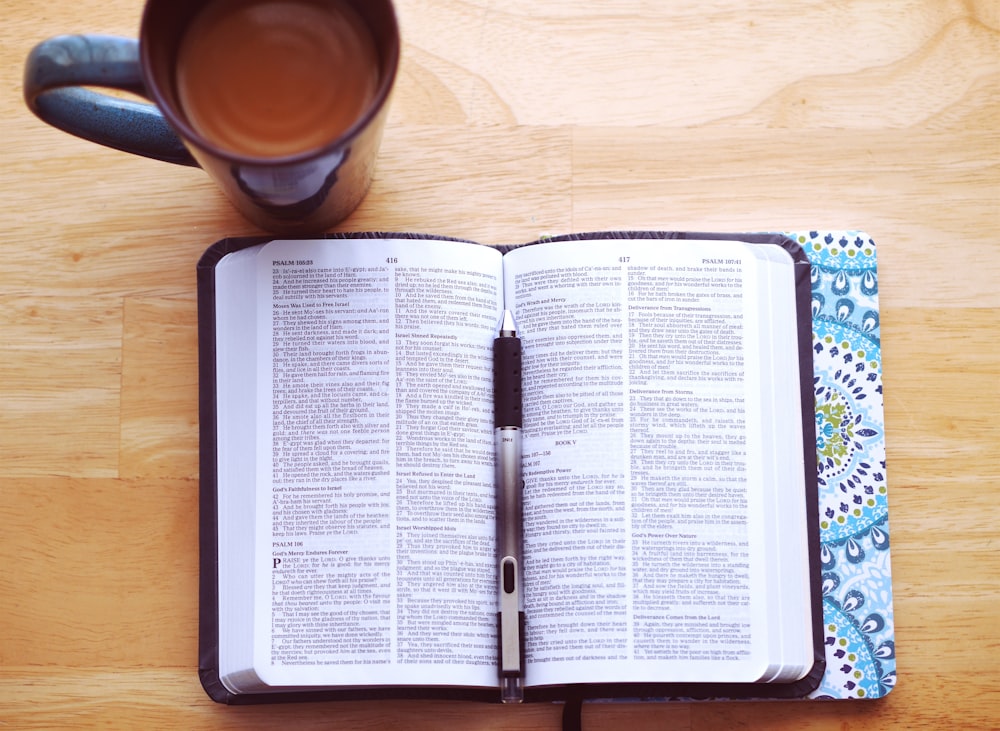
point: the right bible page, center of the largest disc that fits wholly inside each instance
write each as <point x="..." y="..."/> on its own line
<point x="659" y="377"/>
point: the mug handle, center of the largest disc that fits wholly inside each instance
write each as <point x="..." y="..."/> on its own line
<point x="56" y="72"/>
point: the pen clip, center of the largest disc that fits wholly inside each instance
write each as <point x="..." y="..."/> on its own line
<point x="510" y="631"/>
<point x="510" y="623"/>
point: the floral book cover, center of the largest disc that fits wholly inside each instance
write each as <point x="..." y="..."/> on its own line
<point x="850" y="445"/>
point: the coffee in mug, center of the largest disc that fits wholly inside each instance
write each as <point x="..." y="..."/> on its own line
<point x="267" y="78"/>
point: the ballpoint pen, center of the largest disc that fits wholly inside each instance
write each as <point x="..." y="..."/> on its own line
<point x="509" y="485"/>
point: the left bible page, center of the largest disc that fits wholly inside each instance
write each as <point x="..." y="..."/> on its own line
<point x="356" y="464"/>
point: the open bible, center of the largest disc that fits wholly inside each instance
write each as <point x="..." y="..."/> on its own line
<point x="348" y="498"/>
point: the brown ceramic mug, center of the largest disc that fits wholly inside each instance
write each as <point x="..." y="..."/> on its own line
<point x="281" y="102"/>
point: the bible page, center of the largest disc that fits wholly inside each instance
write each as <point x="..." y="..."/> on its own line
<point x="645" y="460"/>
<point x="375" y="546"/>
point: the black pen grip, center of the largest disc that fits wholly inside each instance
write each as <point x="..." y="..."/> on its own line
<point x="507" y="382"/>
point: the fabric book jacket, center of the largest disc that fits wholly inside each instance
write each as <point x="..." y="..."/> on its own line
<point x="850" y="447"/>
<point x="854" y="533"/>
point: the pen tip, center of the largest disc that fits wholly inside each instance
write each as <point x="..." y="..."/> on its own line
<point x="511" y="690"/>
<point x="508" y="328"/>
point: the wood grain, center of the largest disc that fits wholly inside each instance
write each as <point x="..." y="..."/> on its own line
<point x="509" y="121"/>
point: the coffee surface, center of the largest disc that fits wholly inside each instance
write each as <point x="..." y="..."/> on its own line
<point x="267" y="78"/>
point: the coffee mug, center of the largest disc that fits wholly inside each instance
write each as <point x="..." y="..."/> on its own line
<point x="281" y="102"/>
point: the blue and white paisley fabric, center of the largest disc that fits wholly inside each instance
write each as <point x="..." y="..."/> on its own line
<point x="850" y="448"/>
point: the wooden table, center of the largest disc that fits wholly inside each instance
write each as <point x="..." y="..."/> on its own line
<point x="510" y="120"/>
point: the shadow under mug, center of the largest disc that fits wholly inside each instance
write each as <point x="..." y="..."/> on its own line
<point x="293" y="194"/>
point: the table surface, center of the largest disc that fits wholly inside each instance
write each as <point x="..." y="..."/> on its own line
<point x="510" y="120"/>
